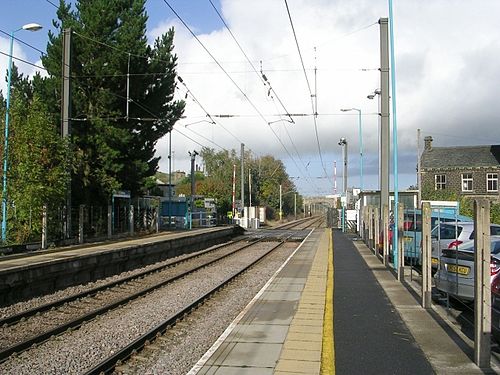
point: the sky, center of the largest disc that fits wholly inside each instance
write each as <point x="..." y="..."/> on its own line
<point x="446" y="67"/>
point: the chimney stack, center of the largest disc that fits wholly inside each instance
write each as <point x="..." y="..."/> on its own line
<point x="428" y="143"/>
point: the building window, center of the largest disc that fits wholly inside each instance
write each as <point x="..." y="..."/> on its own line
<point x="466" y="181"/>
<point x="492" y="181"/>
<point x="439" y="182"/>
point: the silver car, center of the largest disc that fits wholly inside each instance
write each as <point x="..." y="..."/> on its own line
<point x="454" y="236"/>
<point x="455" y="275"/>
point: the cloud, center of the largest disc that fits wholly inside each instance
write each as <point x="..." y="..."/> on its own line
<point x="446" y="69"/>
<point x="19" y="52"/>
<point x="446" y="78"/>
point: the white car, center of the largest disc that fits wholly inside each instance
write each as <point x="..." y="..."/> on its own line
<point x="455" y="275"/>
<point x="454" y="236"/>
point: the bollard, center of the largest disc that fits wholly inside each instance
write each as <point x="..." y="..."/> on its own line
<point x="482" y="283"/>
<point x="426" y="256"/>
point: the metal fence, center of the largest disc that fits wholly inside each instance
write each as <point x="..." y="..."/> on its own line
<point x="56" y="226"/>
<point x="461" y="278"/>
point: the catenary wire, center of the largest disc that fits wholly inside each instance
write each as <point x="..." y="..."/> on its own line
<point x="261" y="76"/>
<point x="23" y="42"/>
<point x="308" y="86"/>
<point x="23" y="61"/>
<point x="231" y="79"/>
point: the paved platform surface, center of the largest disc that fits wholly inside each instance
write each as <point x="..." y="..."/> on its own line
<point x="52" y="255"/>
<point x="370" y="336"/>
<point x="368" y="324"/>
<point x="281" y="331"/>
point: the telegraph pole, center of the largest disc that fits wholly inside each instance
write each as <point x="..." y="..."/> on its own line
<point x="242" y="177"/>
<point x="65" y="116"/>
<point x="384" y="132"/>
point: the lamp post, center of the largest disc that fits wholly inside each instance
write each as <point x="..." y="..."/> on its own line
<point x="343" y="143"/>
<point x="360" y="130"/>
<point x="29" y="27"/>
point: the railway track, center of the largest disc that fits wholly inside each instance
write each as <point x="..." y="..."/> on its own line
<point x="71" y="312"/>
<point x="107" y="366"/>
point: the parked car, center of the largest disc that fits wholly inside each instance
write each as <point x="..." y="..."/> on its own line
<point x="452" y="236"/>
<point x="412" y="231"/>
<point x="495" y="307"/>
<point x="455" y="275"/>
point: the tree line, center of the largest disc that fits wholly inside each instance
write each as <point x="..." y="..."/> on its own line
<point x="112" y="143"/>
<point x="108" y="149"/>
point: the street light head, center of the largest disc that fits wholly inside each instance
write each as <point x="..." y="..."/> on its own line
<point x="371" y="96"/>
<point x="345" y="109"/>
<point x="32" y="27"/>
<point x="342" y="141"/>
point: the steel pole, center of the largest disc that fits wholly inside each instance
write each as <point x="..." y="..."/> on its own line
<point x="394" y="134"/>
<point x="6" y="142"/>
<point x="360" y="150"/>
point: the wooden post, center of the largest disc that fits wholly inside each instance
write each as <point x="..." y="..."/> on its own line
<point x="426" y="256"/>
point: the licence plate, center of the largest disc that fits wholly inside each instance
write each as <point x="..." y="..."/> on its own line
<point x="435" y="261"/>
<point x="461" y="270"/>
<point x="408" y="239"/>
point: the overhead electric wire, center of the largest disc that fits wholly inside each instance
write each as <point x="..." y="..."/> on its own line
<point x="230" y="78"/>
<point x="262" y="77"/>
<point x="51" y="3"/>
<point x="204" y="110"/>
<point x="23" y="61"/>
<point x="307" y="175"/>
<point x="22" y="41"/>
<point x="216" y="61"/>
<point x="158" y="118"/>
<point x="207" y="139"/>
<point x="308" y="86"/>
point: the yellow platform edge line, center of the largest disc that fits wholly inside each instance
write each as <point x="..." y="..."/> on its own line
<point x="328" y="347"/>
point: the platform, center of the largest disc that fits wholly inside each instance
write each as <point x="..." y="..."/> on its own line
<point x="49" y="270"/>
<point x="334" y="308"/>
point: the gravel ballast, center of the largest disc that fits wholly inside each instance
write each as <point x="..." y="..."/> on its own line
<point x="78" y="351"/>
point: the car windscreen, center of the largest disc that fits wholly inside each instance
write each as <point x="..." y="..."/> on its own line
<point x="449" y="232"/>
<point x="495" y="246"/>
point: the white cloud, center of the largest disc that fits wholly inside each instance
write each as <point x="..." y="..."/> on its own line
<point x="18" y="52"/>
<point x="446" y="54"/>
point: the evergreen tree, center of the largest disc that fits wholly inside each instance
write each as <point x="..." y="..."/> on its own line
<point x="112" y="151"/>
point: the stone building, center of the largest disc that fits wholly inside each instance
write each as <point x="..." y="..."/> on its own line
<point x="470" y="171"/>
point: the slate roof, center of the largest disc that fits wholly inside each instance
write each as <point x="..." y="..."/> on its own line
<point x="461" y="156"/>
